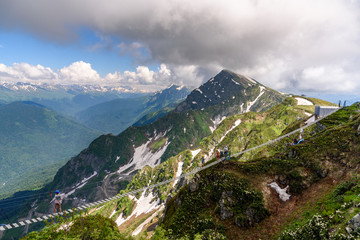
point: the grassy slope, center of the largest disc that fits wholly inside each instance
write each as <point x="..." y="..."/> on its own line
<point x="312" y="170"/>
<point x="251" y="123"/>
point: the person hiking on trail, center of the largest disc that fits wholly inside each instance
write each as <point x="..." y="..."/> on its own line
<point x="203" y="159"/>
<point x="58" y="200"/>
<point x="226" y="151"/>
<point x="301" y="134"/>
<point x="217" y="153"/>
<point x="229" y="154"/>
<point x="221" y="153"/>
<point x="295" y="141"/>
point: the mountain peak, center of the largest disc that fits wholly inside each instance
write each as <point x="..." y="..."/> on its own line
<point x="219" y="89"/>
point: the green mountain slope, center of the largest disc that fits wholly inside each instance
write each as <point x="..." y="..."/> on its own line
<point x="33" y="136"/>
<point x="314" y="172"/>
<point x="116" y="115"/>
<point x="234" y="200"/>
<point x="160" y="140"/>
<point x="278" y="117"/>
<point x="227" y="132"/>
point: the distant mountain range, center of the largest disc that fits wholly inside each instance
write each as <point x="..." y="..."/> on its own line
<point x="34" y="143"/>
<point x="65" y="99"/>
<point x="71" y="89"/>
<point x="116" y="115"/>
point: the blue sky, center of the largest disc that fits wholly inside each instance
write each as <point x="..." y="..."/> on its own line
<point x="20" y="47"/>
<point x="291" y="46"/>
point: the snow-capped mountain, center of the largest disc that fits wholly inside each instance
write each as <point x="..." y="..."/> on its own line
<point x="29" y="87"/>
<point x="230" y="89"/>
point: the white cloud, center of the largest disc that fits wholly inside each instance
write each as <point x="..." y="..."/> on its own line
<point x="77" y="73"/>
<point x="144" y="78"/>
<point x="26" y="72"/>
<point x="328" y="79"/>
<point x="276" y="41"/>
<point x="80" y="73"/>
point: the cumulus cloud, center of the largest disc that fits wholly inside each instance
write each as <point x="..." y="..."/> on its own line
<point x="145" y="79"/>
<point x="278" y="42"/>
<point x="81" y="73"/>
<point x="26" y="72"/>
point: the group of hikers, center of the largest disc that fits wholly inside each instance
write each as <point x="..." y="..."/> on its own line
<point x="219" y="154"/>
<point x="223" y="153"/>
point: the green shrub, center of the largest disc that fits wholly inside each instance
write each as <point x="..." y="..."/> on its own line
<point x="89" y="227"/>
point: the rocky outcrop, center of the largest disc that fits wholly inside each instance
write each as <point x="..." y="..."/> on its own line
<point x="249" y="219"/>
<point x="353" y="224"/>
<point x="194" y="183"/>
<point x="226" y="203"/>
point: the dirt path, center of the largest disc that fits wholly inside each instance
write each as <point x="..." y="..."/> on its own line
<point x="281" y="212"/>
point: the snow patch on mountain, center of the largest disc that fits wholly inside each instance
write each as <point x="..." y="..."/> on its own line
<point x="144" y="156"/>
<point x="178" y="172"/>
<point x="303" y="101"/>
<point x="283" y="195"/>
<point x="235" y="82"/>
<point x="113" y="213"/>
<point x="198" y="89"/>
<point x="88" y="178"/>
<point x="242" y="107"/>
<point x="216" y="123"/>
<point x="250" y="79"/>
<point x="195" y="152"/>
<point x="237" y="123"/>
<point x="146" y="222"/>
<point x="250" y="104"/>
<point x="81" y="184"/>
<point x="144" y="204"/>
